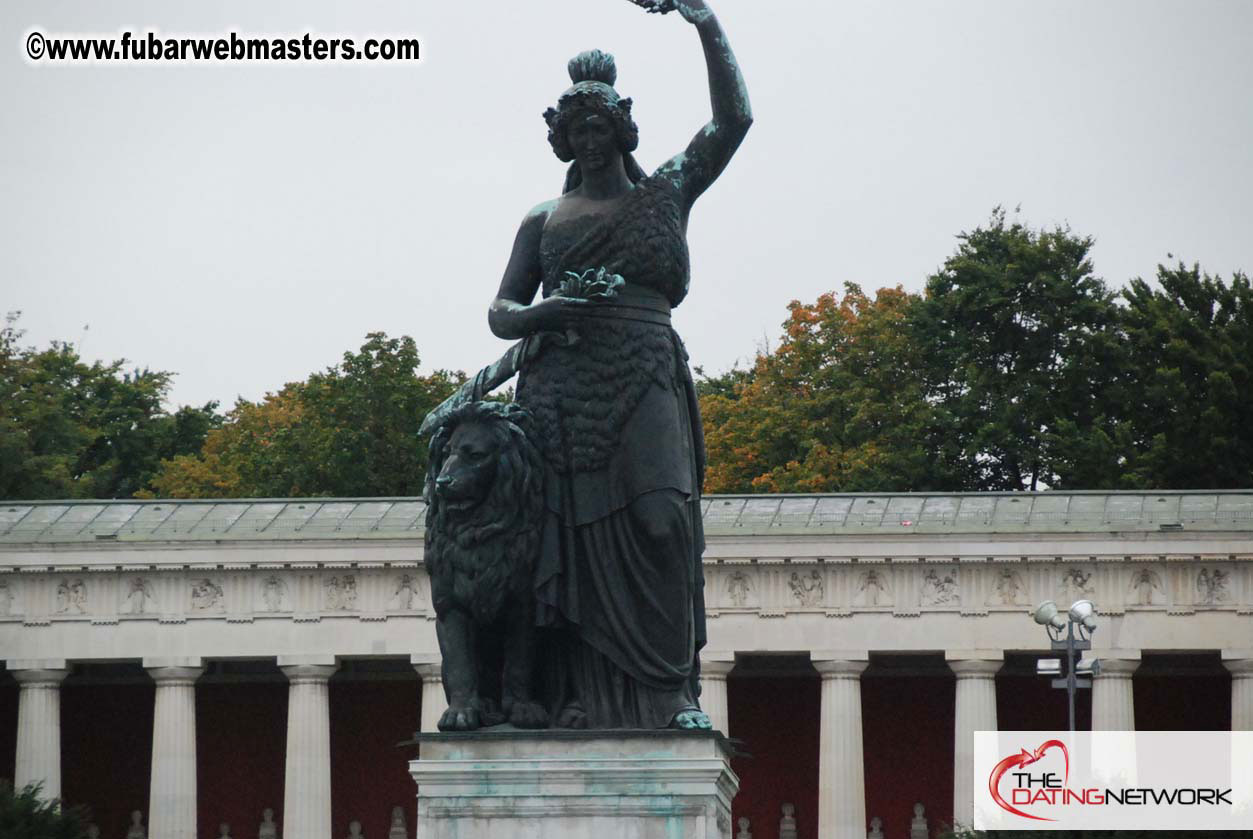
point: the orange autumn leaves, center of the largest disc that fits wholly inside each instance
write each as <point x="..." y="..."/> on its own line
<point x="837" y="407"/>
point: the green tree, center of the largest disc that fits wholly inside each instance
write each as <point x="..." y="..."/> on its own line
<point x="1022" y="359"/>
<point x="349" y="431"/>
<point x="69" y="429"/>
<point x="25" y="815"/>
<point x="838" y="406"/>
<point x="1190" y="347"/>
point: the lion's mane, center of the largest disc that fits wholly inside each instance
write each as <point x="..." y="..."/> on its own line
<point x="481" y="558"/>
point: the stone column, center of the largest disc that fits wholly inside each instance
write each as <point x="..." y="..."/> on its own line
<point x="841" y="765"/>
<point x="714" y="668"/>
<point x="975" y="711"/>
<point x="172" y="792"/>
<point x="434" y="703"/>
<point x="39" y="724"/>
<point x="307" y="788"/>
<point x="1240" y="663"/>
<point x="1113" y="705"/>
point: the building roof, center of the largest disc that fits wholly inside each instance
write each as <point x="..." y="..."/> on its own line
<point x="26" y="522"/>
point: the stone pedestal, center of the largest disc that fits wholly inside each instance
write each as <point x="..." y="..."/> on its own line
<point x="557" y="784"/>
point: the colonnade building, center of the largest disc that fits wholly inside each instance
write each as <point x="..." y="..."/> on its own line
<point x="202" y="661"/>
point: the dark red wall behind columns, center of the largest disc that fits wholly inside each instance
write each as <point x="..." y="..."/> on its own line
<point x="8" y="729"/>
<point x="1182" y="693"/>
<point x="369" y="774"/>
<point x="241" y="748"/>
<point x="1028" y="702"/>
<point x="777" y="720"/>
<point x="907" y="737"/>
<point x="106" y="751"/>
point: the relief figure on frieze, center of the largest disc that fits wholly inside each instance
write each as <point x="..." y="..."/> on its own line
<point x="1146" y="587"/>
<point x="872" y="590"/>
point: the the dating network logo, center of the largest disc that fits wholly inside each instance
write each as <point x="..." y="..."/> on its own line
<point x="1134" y="780"/>
<point x="1046" y="785"/>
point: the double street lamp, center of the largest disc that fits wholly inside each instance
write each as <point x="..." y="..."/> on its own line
<point x="1071" y="632"/>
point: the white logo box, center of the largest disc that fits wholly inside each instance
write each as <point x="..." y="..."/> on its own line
<point x="1113" y="780"/>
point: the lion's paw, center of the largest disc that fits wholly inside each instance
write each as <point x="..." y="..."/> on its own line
<point x="490" y="713"/>
<point x="460" y="719"/>
<point x="572" y="716"/>
<point x="528" y="715"/>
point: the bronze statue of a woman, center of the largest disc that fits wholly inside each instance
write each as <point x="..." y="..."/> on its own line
<point x="619" y="578"/>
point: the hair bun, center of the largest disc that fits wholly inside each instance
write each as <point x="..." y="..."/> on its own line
<point x="593" y="66"/>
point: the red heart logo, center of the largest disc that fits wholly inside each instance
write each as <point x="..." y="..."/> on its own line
<point x="1024" y="758"/>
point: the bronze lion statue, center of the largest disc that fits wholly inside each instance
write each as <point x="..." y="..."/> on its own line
<point x="485" y="500"/>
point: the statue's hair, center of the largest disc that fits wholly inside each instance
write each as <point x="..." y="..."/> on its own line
<point x="498" y="540"/>
<point x="593" y="73"/>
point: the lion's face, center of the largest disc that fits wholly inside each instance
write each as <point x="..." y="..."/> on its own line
<point x="469" y="469"/>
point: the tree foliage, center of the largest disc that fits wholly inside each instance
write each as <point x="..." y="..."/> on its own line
<point x="349" y="431"/>
<point x="25" y="815"/>
<point x="1189" y="346"/>
<point x="1021" y="348"/>
<point x="69" y="429"/>
<point x="1018" y="368"/>
<point x="838" y="406"/>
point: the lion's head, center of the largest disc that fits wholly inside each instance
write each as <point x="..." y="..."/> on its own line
<point x="486" y="474"/>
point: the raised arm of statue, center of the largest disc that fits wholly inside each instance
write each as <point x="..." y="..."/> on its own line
<point x="699" y="165"/>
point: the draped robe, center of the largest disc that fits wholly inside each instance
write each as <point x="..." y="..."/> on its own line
<point x="619" y="579"/>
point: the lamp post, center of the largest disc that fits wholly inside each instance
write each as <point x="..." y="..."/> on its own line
<point x="1072" y="632"/>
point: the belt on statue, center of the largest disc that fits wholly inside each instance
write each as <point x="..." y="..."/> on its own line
<point x="628" y="311"/>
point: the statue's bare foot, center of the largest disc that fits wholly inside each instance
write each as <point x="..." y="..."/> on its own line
<point x="528" y="715"/>
<point x="691" y="718"/>
<point x="460" y="718"/>
<point x="572" y="716"/>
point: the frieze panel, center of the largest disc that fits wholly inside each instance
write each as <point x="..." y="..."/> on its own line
<point x="1007" y="587"/>
<point x="768" y="588"/>
<point x="138" y="599"/>
<point x="274" y="595"/>
<point x="939" y="589"/>
<point x="235" y="596"/>
<point x="207" y="597"/>
<point x="1076" y="584"/>
<point x="873" y="589"/>
<point x="71" y="596"/>
<point x="1147" y="588"/>
<point x="8" y="599"/>
<point x="808" y="589"/>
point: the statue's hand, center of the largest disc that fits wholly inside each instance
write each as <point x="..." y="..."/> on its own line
<point x="655" y="6"/>
<point x="693" y="11"/>
<point x="555" y="314"/>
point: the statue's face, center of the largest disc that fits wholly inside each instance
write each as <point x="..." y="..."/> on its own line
<point x="592" y="139"/>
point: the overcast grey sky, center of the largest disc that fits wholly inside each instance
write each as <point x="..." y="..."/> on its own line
<point x="244" y="225"/>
